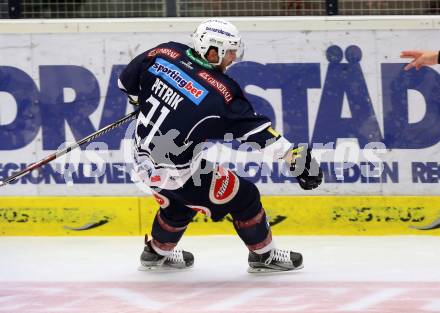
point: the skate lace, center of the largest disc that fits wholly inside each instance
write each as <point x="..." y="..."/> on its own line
<point x="278" y="255"/>
<point x="176" y="256"/>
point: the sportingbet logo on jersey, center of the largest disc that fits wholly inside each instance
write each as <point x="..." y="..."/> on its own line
<point x="179" y="80"/>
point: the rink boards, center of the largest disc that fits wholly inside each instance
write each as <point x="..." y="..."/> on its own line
<point x="337" y="82"/>
<point x="288" y="215"/>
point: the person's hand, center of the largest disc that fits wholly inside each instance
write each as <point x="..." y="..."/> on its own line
<point x="305" y="168"/>
<point x="420" y="58"/>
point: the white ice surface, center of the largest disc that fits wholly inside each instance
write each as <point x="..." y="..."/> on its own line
<point x="220" y="258"/>
<point x="99" y="275"/>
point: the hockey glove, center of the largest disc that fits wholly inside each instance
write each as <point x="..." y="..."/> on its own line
<point x="305" y="168"/>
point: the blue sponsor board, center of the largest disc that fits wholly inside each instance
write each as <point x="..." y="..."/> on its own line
<point x="53" y="173"/>
<point x="118" y="173"/>
<point x="345" y="78"/>
<point x="425" y="172"/>
<point x="334" y="172"/>
<point x="42" y="107"/>
<point x="179" y="80"/>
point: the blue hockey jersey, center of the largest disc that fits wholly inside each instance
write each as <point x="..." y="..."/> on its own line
<point x="183" y="102"/>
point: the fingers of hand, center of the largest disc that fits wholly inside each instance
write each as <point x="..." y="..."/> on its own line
<point x="410" y="54"/>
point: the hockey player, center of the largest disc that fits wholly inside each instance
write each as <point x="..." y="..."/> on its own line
<point x="185" y="99"/>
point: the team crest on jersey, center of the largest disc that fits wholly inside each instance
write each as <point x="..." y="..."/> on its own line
<point x="201" y="209"/>
<point x="219" y="86"/>
<point x="163" y="201"/>
<point x="179" y="80"/>
<point x="173" y="54"/>
<point x="224" y="186"/>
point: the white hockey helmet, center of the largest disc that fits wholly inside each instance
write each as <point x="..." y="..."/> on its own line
<point x="220" y="34"/>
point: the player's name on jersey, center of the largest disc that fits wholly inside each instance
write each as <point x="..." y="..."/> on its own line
<point x="166" y="93"/>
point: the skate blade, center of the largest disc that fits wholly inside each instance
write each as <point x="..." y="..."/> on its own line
<point x="159" y="269"/>
<point x="263" y="270"/>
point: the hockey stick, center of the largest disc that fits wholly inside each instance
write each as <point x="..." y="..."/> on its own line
<point x="69" y="148"/>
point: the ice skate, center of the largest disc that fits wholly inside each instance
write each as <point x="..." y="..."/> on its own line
<point x="275" y="260"/>
<point x="151" y="260"/>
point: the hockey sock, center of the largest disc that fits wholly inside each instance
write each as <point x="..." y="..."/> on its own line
<point x="255" y="232"/>
<point x="166" y="234"/>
